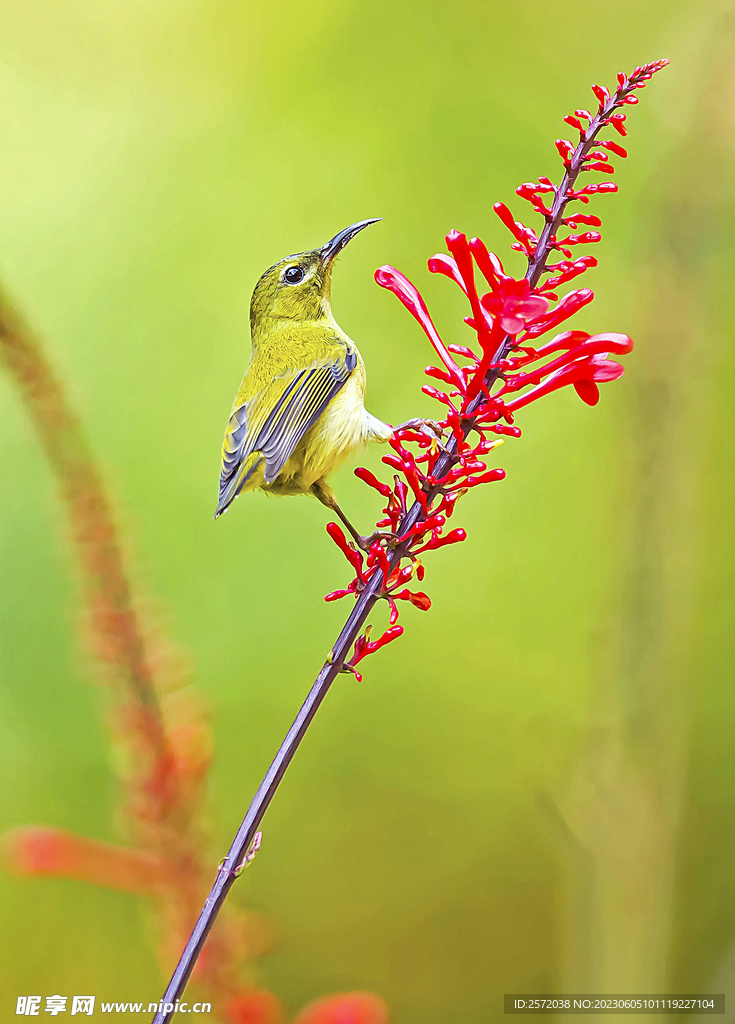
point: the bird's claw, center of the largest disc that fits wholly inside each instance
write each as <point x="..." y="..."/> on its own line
<point x="429" y="427"/>
<point x="365" y="543"/>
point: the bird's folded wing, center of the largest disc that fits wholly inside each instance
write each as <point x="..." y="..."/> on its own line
<point x="272" y="424"/>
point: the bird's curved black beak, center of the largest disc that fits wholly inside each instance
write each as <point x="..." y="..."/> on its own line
<point x="336" y="244"/>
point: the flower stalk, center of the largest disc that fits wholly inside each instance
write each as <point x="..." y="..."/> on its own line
<point x="510" y="315"/>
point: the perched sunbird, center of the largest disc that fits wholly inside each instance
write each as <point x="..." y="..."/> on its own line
<point x="300" y="410"/>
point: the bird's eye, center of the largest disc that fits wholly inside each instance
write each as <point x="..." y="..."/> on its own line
<point x="293" y="275"/>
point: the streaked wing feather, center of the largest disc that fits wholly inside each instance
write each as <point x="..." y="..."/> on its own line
<point x="277" y="432"/>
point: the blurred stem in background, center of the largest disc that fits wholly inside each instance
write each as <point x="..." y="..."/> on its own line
<point x="163" y="760"/>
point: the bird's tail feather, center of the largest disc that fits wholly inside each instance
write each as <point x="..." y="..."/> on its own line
<point x="230" y="488"/>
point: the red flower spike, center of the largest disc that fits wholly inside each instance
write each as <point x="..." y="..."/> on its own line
<point x="511" y="314"/>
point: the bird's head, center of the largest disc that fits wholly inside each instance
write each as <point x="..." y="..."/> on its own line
<point x="298" y="287"/>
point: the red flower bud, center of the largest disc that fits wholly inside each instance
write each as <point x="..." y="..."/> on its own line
<point x="585" y="238"/>
<point x="351" y="553"/>
<point x="599" y="165"/>
<point x="616" y="120"/>
<point x="372" y="481"/>
<point x="602" y="94"/>
<point x="613" y="147"/>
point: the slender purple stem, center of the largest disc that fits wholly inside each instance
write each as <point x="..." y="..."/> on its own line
<point x="232" y="864"/>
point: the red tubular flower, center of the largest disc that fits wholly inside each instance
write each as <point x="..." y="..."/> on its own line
<point x="367" y="477"/>
<point x="389" y="277"/>
<point x="568" y="306"/>
<point x="447" y="265"/>
<point x="616" y="120"/>
<point x="514" y="305"/>
<point x="506" y="318"/>
<point x="352" y="555"/>
<point x="40" y="850"/>
<point x="365" y="646"/>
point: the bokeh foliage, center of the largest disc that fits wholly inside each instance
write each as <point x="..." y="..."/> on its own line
<point x="532" y="790"/>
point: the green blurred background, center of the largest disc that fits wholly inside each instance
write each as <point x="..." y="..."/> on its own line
<point x="532" y="790"/>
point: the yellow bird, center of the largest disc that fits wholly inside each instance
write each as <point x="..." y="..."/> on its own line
<point x="300" y="410"/>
